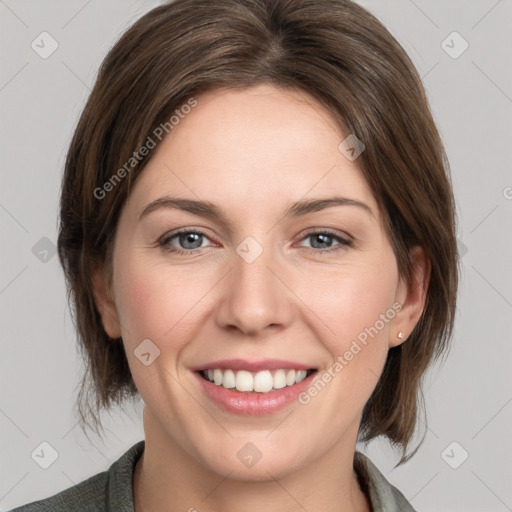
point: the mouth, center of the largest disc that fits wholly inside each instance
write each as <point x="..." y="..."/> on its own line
<point x="254" y="387"/>
<point x="264" y="381"/>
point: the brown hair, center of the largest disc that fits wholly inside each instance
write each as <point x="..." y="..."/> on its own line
<point x="332" y="49"/>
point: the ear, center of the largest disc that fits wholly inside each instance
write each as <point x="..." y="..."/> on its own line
<point x="105" y="302"/>
<point x="412" y="296"/>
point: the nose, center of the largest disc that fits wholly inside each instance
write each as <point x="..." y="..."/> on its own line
<point x="255" y="297"/>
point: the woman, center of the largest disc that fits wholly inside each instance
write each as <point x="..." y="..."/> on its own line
<point x="258" y="235"/>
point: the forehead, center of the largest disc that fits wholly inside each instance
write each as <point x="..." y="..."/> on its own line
<point x="260" y="146"/>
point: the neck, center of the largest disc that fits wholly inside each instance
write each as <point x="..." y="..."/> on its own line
<point x="167" y="478"/>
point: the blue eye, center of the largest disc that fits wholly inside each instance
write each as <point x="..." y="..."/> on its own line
<point x="191" y="241"/>
<point x="323" y="240"/>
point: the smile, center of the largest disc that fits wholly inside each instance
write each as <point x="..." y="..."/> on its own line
<point x="259" y="382"/>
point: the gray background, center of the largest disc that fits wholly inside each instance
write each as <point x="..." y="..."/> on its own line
<point x="469" y="399"/>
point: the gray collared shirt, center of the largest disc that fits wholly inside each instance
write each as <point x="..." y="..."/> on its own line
<point x="112" y="490"/>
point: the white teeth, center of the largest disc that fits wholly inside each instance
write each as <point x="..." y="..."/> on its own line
<point x="301" y="375"/>
<point x="229" y="379"/>
<point x="217" y="377"/>
<point x="260" y="382"/>
<point x="263" y="382"/>
<point x="279" y="379"/>
<point x="290" y="378"/>
<point x="244" y="381"/>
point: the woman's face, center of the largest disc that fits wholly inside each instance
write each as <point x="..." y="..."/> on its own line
<point x="252" y="291"/>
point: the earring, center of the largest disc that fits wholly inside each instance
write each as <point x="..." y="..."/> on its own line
<point x="401" y="335"/>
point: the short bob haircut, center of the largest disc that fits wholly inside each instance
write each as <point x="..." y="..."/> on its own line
<point x="340" y="54"/>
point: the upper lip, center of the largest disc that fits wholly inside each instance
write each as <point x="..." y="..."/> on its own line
<point x="252" y="366"/>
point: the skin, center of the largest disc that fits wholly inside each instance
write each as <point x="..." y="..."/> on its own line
<point x="253" y="153"/>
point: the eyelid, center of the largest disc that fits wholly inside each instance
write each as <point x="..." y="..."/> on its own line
<point x="327" y="231"/>
<point x="191" y="229"/>
<point x="344" y="240"/>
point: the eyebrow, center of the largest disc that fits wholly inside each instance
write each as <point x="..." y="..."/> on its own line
<point x="207" y="209"/>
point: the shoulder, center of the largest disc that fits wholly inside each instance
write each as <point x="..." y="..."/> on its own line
<point x="384" y="497"/>
<point x="109" y="490"/>
<point x="90" y="492"/>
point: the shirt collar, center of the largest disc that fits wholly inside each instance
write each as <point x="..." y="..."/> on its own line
<point x="382" y="495"/>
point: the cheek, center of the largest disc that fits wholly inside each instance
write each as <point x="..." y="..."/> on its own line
<point x="355" y="308"/>
<point x="157" y="301"/>
<point x="353" y="299"/>
<point x="357" y="340"/>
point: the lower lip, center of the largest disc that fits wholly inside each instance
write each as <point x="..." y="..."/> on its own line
<point x="254" y="404"/>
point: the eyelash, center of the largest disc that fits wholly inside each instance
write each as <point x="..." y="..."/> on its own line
<point x="164" y="242"/>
